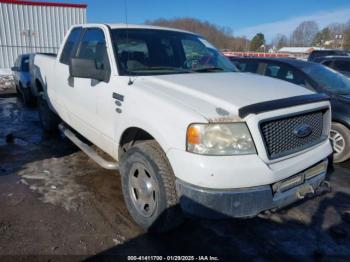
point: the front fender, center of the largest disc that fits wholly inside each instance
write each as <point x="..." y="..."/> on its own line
<point x="341" y="116"/>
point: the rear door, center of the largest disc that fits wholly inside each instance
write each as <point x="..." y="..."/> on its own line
<point x="63" y="85"/>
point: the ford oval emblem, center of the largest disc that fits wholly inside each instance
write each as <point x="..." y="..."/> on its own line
<point x="302" y="130"/>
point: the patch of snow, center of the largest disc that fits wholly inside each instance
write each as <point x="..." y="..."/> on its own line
<point x="54" y="180"/>
<point x="6" y="82"/>
<point x="5" y="72"/>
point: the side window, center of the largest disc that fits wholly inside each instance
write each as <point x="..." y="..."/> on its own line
<point x="342" y="66"/>
<point x="295" y="77"/>
<point x="70" y="45"/>
<point x="327" y="63"/>
<point x="272" y="70"/>
<point x="308" y="85"/>
<point x="285" y="73"/>
<point x="251" y="67"/>
<point x="25" y="64"/>
<point x="93" y="46"/>
<point x="240" y="65"/>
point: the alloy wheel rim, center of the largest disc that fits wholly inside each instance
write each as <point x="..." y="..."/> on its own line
<point x="338" y="142"/>
<point x="143" y="189"/>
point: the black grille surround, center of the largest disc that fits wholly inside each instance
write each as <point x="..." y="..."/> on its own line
<point x="279" y="136"/>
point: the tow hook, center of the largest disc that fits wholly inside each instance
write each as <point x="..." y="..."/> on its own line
<point x="308" y="190"/>
<point x="324" y="188"/>
<point x="305" y="191"/>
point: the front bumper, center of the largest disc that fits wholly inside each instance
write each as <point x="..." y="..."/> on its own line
<point x="241" y="171"/>
<point x="241" y="203"/>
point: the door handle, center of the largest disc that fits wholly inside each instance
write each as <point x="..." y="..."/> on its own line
<point x="118" y="97"/>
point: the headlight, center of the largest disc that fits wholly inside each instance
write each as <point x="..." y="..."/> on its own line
<point x="220" y="139"/>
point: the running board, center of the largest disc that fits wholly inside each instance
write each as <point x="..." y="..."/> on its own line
<point x="88" y="149"/>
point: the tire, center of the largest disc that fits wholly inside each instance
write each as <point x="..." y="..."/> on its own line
<point x="27" y="97"/>
<point x="149" y="190"/>
<point x="19" y="94"/>
<point x="48" y="119"/>
<point x="340" y="138"/>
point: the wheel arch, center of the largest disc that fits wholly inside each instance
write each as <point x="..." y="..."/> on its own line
<point x="132" y="134"/>
<point x="342" y="121"/>
<point x="39" y="87"/>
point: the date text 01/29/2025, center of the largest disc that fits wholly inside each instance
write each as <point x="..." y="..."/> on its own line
<point x="173" y="258"/>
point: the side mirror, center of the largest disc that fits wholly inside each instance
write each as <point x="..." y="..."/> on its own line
<point x="86" y="68"/>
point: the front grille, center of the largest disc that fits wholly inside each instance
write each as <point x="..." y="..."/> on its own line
<point x="280" y="138"/>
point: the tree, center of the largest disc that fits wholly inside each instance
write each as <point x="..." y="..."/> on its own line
<point x="322" y="37"/>
<point x="257" y="42"/>
<point x="280" y="41"/>
<point x="336" y="29"/>
<point x="304" y="33"/>
<point x="346" y="43"/>
<point x="222" y="37"/>
<point x="346" y="35"/>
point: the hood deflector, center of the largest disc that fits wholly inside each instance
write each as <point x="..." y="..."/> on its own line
<point x="281" y="103"/>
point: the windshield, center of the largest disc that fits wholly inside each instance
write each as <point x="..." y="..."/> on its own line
<point x="151" y="52"/>
<point x="328" y="79"/>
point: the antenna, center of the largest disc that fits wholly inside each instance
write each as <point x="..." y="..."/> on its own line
<point x="127" y="37"/>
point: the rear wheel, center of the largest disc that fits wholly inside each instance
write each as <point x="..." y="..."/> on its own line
<point x="27" y="97"/>
<point x="340" y="138"/>
<point x="148" y="185"/>
<point x="48" y="119"/>
<point x="18" y="92"/>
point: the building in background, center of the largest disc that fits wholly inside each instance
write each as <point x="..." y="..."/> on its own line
<point x="254" y="54"/>
<point x="28" y="26"/>
<point x="297" y="52"/>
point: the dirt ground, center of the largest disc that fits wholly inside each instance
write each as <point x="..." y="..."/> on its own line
<point x="58" y="205"/>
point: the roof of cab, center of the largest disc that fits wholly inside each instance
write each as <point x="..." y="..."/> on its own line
<point x="332" y="57"/>
<point x="136" y="26"/>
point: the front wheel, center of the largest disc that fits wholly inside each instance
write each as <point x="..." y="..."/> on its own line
<point x="148" y="185"/>
<point x="340" y="138"/>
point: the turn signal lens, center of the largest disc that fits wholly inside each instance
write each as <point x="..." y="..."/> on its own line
<point x="193" y="135"/>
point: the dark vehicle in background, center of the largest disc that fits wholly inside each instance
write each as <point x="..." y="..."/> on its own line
<point x="315" y="77"/>
<point x="327" y="52"/>
<point x="340" y="64"/>
<point x="22" y="78"/>
<point x="24" y="71"/>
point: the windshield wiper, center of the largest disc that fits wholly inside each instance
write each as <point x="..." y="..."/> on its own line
<point x="208" y="69"/>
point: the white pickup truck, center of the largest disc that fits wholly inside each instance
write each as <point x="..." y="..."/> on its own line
<point x="187" y="132"/>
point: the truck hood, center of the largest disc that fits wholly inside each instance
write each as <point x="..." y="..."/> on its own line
<point x="215" y="95"/>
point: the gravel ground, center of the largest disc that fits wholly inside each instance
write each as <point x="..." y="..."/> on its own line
<point x="56" y="204"/>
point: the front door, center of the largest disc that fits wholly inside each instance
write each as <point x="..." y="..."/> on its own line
<point x="86" y="93"/>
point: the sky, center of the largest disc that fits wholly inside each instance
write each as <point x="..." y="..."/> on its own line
<point x="244" y="17"/>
